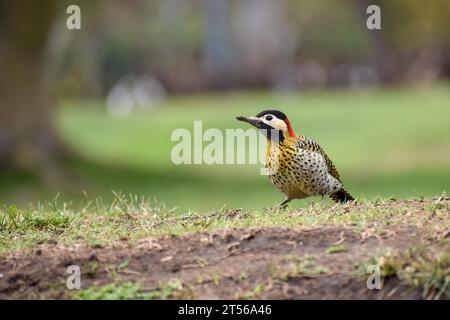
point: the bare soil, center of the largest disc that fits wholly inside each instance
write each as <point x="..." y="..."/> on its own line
<point x="227" y="264"/>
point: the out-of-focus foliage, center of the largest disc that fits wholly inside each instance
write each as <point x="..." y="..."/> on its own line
<point x="415" y="24"/>
<point x="132" y="55"/>
<point x="199" y="45"/>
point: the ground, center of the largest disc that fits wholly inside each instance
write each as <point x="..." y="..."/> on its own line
<point x="133" y="249"/>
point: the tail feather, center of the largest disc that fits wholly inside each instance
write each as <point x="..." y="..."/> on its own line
<point x="342" y="196"/>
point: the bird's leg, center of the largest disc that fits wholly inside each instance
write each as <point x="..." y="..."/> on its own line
<point x="283" y="205"/>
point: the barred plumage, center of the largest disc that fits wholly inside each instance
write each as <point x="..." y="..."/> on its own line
<point x="298" y="166"/>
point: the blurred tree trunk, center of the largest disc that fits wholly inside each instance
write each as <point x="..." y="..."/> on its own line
<point x="382" y="57"/>
<point x="217" y="54"/>
<point x="27" y="135"/>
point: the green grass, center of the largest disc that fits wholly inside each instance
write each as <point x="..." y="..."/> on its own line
<point x="132" y="291"/>
<point x="419" y="267"/>
<point x="336" y="249"/>
<point x="388" y="142"/>
<point x="131" y="218"/>
<point x="14" y="220"/>
<point x="297" y="267"/>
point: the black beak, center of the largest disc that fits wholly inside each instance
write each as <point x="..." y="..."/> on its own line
<point x="254" y="121"/>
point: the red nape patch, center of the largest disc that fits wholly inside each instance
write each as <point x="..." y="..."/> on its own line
<point x="291" y="131"/>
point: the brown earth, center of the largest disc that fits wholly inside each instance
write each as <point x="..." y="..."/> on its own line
<point x="229" y="264"/>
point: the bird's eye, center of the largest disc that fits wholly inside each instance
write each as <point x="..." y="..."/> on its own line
<point x="269" y="118"/>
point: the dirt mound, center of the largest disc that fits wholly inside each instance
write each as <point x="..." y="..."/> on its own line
<point x="266" y="263"/>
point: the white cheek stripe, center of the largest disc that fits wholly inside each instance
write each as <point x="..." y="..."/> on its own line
<point x="277" y="124"/>
<point x="280" y="125"/>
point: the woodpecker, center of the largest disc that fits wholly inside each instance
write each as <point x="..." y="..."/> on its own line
<point x="297" y="165"/>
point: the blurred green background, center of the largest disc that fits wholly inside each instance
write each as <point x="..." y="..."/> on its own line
<point x="84" y="112"/>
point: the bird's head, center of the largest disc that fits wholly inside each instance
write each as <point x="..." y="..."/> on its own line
<point x="270" y="122"/>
